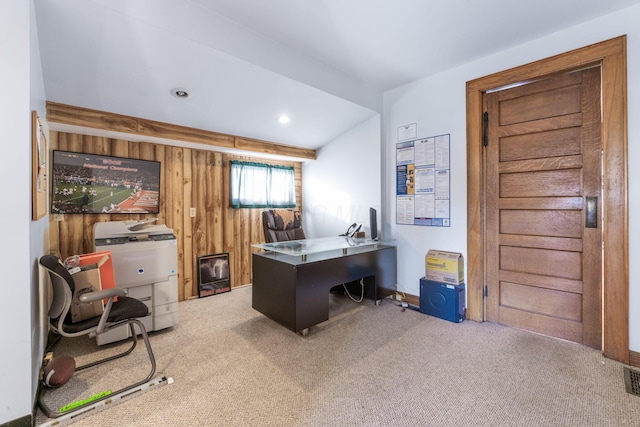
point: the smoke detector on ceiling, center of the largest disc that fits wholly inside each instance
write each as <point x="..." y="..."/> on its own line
<point x="180" y="92"/>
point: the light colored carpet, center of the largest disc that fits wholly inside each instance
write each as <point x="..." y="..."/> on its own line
<point x="367" y="366"/>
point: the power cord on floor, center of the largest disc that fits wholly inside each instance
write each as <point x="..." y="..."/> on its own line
<point x="361" y="294"/>
<point x="395" y="302"/>
<point x="403" y="304"/>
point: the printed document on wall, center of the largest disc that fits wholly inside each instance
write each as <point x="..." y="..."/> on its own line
<point x="423" y="180"/>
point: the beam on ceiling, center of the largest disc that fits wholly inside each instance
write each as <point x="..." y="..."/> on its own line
<point x="85" y="117"/>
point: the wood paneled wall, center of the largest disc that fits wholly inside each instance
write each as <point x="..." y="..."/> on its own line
<point x="190" y="179"/>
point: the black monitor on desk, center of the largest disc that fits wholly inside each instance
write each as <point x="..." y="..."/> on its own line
<point x="373" y="223"/>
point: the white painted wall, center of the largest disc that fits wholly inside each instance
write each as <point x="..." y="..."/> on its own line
<point x="21" y="311"/>
<point x="39" y="230"/>
<point x="343" y="182"/>
<point x="438" y="105"/>
<point x="16" y="387"/>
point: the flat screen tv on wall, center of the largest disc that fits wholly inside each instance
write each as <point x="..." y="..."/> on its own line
<point x="92" y="183"/>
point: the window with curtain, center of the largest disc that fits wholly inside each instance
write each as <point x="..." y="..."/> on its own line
<point x="259" y="185"/>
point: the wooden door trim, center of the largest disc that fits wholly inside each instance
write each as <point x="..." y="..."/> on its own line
<point x="612" y="57"/>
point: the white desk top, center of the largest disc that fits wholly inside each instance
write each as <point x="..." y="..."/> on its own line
<point x="314" y="246"/>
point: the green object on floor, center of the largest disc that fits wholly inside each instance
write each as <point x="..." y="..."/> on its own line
<point x="82" y="402"/>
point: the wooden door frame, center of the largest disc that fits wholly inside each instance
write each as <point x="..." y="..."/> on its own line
<point x="611" y="55"/>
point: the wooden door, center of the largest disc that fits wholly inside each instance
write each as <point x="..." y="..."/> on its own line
<point x="543" y="170"/>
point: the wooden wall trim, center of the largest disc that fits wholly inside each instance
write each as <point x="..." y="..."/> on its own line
<point x="257" y="146"/>
<point x="85" y="117"/>
<point x="634" y="359"/>
<point x="611" y="55"/>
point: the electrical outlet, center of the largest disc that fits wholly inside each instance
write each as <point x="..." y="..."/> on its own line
<point x="58" y="217"/>
<point x="192" y="212"/>
<point x="398" y="297"/>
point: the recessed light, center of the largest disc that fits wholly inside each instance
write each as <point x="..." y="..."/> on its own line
<point x="283" y="119"/>
<point x="179" y="92"/>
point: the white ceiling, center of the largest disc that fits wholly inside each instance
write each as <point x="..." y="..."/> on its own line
<point x="325" y="63"/>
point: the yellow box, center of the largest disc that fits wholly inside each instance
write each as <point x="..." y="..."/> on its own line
<point x="446" y="267"/>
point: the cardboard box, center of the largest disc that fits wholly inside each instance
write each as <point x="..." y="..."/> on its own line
<point x="105" y="265"/>
<point x="96" y="273"/>
<point x="446" y="267"/>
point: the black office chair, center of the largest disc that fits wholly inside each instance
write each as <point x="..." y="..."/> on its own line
<point x="116" y="313"/>
<point x="280" y="225"/>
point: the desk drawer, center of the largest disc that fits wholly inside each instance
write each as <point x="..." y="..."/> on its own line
<point x="165" y="320"/>
<point x="165" y="292"/>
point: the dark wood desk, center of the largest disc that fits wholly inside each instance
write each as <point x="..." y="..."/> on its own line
<point x="294" y="290"/>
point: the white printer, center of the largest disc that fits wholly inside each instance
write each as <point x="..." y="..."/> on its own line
<point x="145" y="264"/>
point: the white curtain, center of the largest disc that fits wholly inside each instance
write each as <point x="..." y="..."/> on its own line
<point x="259" y="185"/>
